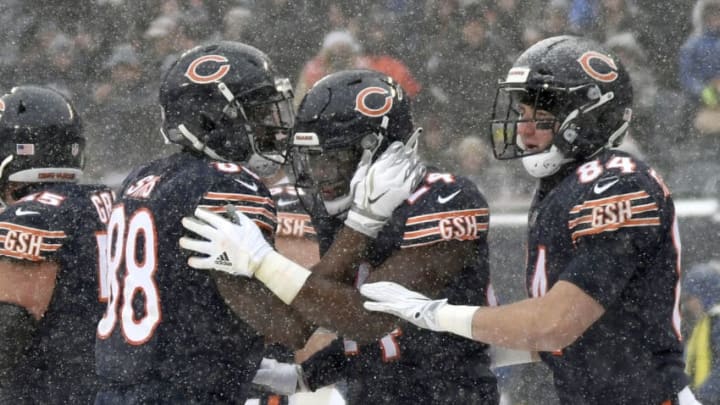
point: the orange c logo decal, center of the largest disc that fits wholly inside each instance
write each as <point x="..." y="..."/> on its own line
<point x="361" y="105"/>
<point x="2" y="106"/>
<point x="608" y="77"/>
<point x="192" y="74"/>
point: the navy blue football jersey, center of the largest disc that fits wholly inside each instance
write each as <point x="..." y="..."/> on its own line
<point x="167" y="329"/>
<point x="60" y="222"/>
<point x="398" y="367"/>
<point x="609" y="227"/>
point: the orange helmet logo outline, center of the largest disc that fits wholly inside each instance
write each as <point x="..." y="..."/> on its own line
<point x="192" y="74"/>
<point x="362" y="107"/>
<point x="2" y="106"/>
<point x="585" y="59"/>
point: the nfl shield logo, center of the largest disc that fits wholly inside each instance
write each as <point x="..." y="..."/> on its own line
<point x="75" y="149"/>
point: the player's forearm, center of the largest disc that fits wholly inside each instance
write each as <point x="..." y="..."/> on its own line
<point x="322" y="299"/>
<point x="341" y="261"/>
<point x="338" y="306"/>
<point x="522" y="325"/>
<point x="548" y="323"/>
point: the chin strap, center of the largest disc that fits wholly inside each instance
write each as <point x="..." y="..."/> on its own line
<point x="196" y="142"/>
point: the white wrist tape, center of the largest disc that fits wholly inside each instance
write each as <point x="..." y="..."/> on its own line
<point x="282" y="276"/>
<point x="364" y="224"/>
<point x="456" y="319"/>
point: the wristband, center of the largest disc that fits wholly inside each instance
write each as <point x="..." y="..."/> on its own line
<point x="282" y="276"/>
<point x="456" y="319"/>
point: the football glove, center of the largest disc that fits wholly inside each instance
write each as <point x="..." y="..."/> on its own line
<point x="382" y="187"/>
<point x="436" y="315"/>
<point x="236" y="247"/>
<point x="239" y="248"/>
<point x="280" y="378"/>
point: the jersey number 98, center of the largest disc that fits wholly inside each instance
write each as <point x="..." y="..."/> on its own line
<point x="130" y="250"/>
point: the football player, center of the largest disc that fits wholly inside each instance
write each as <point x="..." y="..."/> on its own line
<point x="171" y="335"/>
<point x="379" y="216"/>
<point x="603" y="259"/>
<point x="52" y="233"/>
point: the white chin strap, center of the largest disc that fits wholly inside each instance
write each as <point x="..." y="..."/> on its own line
<point x="546" y="163"/>
<point x="196" y="143"/>
<point x="339" y="205"/>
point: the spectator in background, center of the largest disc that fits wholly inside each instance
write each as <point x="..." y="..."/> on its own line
<point x="377" y="53"/>
<point x="437" y="31"/>
<point x="472" y="156"/>
<point x="504" y="19"/>
<point x="61" y="71"/>
<point x="554" y="21"/>
<point x="701" y="301"/>
<point x="644" y="133"/>
<point x="436" y="142"/>
<point x="124" y="104"/>
<point x="276" y="29"/>
<point x="340" y="51"/>
<point x="164" y="42"/>
<point x="663" y="31"/>
<point x="465" y="73"/>
<point x="237" y="23"/>
<point x="601" y="19"/>
<point x="616" y="17"/>
<point x="699" y="66"/>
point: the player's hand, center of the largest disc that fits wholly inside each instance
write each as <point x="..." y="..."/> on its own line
<point x="387" y="183"/>
<point x="394" y="299"/>
<point x="236" y="247"/>
<point x="280" y="378"/>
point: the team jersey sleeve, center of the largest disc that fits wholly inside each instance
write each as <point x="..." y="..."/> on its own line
<point x="615" y="233"/>
<point x="245" y="193"/>
<point x="444" y="208"/>
<point x="27" y="232"/>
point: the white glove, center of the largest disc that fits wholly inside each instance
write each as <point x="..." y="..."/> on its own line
<point x="236" y="247"/>
<point x="394" y="299"/>
<point x="388" y="182"/>
<point x="280" y="378"/>
<point x="436" y="315"/>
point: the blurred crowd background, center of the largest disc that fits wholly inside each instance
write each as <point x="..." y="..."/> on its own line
<point x="108" y="55"/>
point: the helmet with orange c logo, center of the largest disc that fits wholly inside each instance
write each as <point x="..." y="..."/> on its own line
<point x="581" y="84"/>
<point x="342" y="116"/>
<point x="226" y="100"/>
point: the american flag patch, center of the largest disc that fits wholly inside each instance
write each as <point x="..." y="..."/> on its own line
<point x="25" y="149"/>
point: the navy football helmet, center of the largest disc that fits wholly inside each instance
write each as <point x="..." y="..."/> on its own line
<point x="226" y="101"/>
<point x="41" y="137"/>
<point x="581" y="84"/>
<point x="343" y="116"/>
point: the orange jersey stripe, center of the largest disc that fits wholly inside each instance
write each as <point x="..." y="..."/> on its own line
<point x="632" y="223"/>
<point x="26" y="229"/>
<point x="409" y="235"/>
<point x="238" y="197"/>
<point x="609" y="200"/>
<point x="442" y="215"/>
<point x="19" y="255"/>
<point x="633" y="210"/>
